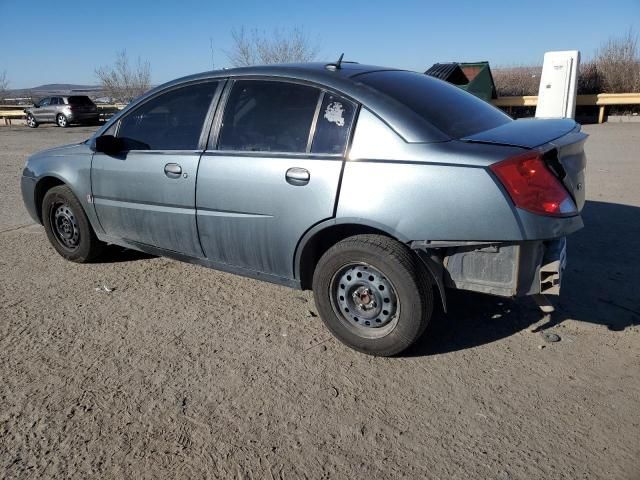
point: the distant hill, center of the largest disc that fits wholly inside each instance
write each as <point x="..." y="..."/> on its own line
<point x="52" y="87"/>
<point x="23" y="95"/>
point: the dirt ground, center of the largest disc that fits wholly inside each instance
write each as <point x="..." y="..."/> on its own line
<point x="184" y="372"/>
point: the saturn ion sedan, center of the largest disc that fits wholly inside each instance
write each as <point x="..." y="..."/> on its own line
<point x="378" y="188"/>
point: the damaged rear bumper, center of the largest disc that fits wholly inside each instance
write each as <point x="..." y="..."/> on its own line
<point x="508" y="269"/>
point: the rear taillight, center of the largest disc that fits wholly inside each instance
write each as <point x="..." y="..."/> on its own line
<point x="533" y="187"/>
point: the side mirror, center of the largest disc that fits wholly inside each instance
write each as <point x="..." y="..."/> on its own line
<point x="108" y="144"/>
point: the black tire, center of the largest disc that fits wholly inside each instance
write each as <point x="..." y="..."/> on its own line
<point x="393" y="264"/>
<point x="31" y="121"/>
<point x="62" y="121"/>
<point x="78" y="242"/>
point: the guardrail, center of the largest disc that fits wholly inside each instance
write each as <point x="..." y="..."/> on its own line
<point x="15" y="112"/>
<point x="602" y="100"/>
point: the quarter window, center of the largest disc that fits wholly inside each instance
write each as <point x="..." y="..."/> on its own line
<point x="268" y="116"/>
<point x="333" y="125"/>
<point x="170" y="121"/>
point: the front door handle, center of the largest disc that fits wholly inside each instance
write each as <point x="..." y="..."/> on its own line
<point x="172" y="170"/>
<point x="297" y="176"/>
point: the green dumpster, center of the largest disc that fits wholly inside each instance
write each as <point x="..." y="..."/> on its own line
<point x="474" y="77"/>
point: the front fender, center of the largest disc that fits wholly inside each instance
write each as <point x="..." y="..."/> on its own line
<point x="70" y="165"/>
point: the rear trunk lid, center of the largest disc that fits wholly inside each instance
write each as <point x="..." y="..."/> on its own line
<point x="560" y="141"/>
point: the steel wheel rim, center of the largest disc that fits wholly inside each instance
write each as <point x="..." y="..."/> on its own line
<point x="64" y="226"/>
<point x="31" y="121"/>
<point x="364" y="300"/>
<point x="62" y="120"/>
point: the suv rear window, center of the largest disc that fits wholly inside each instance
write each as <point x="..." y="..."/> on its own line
<point x="79" y="100"/>
<point x="451" y="110"/>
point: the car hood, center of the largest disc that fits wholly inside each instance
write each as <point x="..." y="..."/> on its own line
<point x="526" y="133"/>
<point x="63" y="150"/>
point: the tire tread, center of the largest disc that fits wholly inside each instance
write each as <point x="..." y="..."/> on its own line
<point x="93" y="247"/>
<point x="397" y="253"/>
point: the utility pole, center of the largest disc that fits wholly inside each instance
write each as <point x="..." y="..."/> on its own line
<point x="213" y="65"/>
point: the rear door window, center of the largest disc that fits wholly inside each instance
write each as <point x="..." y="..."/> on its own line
<point x="333" y="125"/>
<point x="268" y="116"/>
<point x="170" y="121"/>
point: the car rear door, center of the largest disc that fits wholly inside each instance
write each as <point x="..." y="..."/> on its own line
<point x="55" y="107"/>
<point x="265" y="179"/>
<point x="146" y="194"/>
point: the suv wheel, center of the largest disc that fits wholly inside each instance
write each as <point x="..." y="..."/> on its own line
<point x="67" y="226"/>
<point x="62" y="121"/>
<point x="373" y="294"/>
<point x="31" y="121"/>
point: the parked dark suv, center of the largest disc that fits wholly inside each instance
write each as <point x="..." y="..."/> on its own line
<point x="62" y="110"/>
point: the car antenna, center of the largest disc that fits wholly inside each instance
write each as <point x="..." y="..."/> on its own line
<point x="335" y="66"/>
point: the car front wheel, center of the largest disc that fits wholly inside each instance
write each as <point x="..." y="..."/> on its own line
<point x="373" y="294"/>
<point x="31" y="121"/>
<point x="62" y="121"/>
<point x="67" y="226"/>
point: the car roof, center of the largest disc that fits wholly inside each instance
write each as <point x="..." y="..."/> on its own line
<point x="343" y="80"/>
<point x="302" y="70"/>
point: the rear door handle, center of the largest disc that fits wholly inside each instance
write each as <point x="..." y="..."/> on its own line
<point x="297" y="176"/>
<point x="172" y="170"/>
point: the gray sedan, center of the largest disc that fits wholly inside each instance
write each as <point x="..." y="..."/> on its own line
<point x="377" y="188"/>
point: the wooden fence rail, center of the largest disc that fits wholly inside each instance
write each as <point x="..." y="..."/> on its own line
<point x="602" y="100"/>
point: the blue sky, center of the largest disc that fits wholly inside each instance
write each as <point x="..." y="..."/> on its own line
<point x="64" y="41"/>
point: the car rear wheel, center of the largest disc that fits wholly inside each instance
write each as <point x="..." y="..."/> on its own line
<point x="31" y="121"/>
<point x="62" y="121"/>
<point x="67" y="226"/>
<point x="373" y="294"/>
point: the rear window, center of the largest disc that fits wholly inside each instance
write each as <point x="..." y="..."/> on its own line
<point x="451" y="110"/>
<point x="80" y="101"/>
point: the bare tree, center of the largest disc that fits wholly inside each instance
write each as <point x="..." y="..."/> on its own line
<point x="256" y="47"/>
<point x="618" y="61"/>
<point x="517" y="80"/>
<point x="4" y="83"/>
<point x="122" y="82"/>
<point x="590" y="79"/>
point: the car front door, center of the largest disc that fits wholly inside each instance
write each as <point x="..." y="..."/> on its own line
<point x="264" y="180"/>
<point x="146" y="193"/>
<point x="43" y="113"/>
